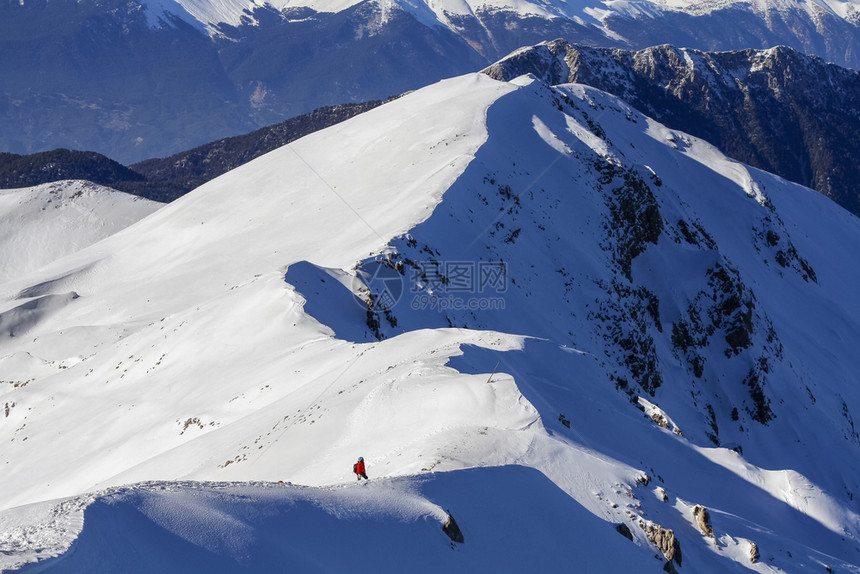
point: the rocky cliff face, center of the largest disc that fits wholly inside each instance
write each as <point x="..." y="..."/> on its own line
<point x="779" y="110"/>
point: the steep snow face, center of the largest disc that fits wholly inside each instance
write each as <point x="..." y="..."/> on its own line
<point x="547" y="279"/>
<point x="43" y="223"/>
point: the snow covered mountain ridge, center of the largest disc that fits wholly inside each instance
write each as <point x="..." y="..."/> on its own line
<point x="548" y="279"/>
<point x="809" y="107"/>
<point x="445" y="12"/>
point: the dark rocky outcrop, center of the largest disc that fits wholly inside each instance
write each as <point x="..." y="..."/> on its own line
<point x="624" y="531"/>
<point x="452" y="530"/>
<point x="665" y="541"/>
<point x="754" y="553"/>
<point x="703" y="519"/>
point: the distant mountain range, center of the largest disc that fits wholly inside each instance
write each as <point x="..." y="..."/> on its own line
<point x="135" y="80"/>
<point x="779" y="110"/>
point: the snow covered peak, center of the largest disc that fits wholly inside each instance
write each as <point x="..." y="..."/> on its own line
<point x="41" y="224"/>
<point x="204" y="14"/>
<point x="498" y="289"/>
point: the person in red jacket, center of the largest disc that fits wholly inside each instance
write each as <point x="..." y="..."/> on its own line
<point x="358" y="469"/>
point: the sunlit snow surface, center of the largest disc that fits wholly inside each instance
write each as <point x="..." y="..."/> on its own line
<point x="43" y="223"/>
<point x="223" y="339"/>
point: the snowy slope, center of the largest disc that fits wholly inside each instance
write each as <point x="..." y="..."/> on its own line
<point x="663" y="318"/>
<point x="388" y="526"/>
<point x="43" y="223"/>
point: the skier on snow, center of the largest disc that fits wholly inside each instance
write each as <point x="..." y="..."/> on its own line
<point x="358" y="469"/>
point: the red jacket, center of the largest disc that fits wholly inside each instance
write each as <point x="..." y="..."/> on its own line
<point x="359" y="467"/>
